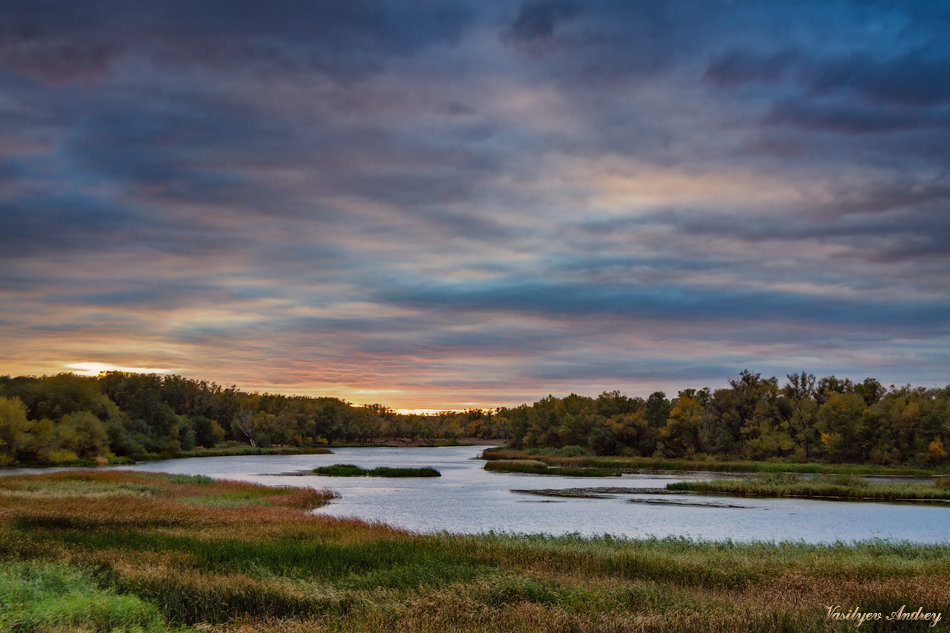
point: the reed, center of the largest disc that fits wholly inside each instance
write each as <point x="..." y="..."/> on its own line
<point x="568" y="458"/>
<point x="841" y="487"/>
<point x="349" y="470"/>
<point x="536" y="467"/>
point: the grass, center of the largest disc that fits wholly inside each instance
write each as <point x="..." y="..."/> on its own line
<point x="48" y="596"/>
<point x="842" y="487"/>
<point x="349" y="470"/>
<point x="569" y="457"/>
<point x="243" y="449"/>
<point x="219" y="451"/>
<point x="155" y="561"/>
<point x="537" y="467"/>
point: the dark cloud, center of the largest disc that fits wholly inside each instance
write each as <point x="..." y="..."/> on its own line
<point x="647" y="369"/>
<point x="634" y="302"/>
<point x="914" y="79"/>
<point x="537" y="20"/>
<point x="58" y="41"/>
<point x="850" y="118"/>
<point x="737" y="68"/>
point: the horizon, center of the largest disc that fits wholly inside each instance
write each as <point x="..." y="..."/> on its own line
<point x="87" y="373"/>
<point x="472" y="205"/>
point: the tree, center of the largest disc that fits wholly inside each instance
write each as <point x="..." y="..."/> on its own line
<point x="680" y="436"/>
<point x="13" y="428"/>
<point x="842" y="435"/>
<point x="242" y="426"/>
<point x="936" y="453"/>
<point x="87" y="436"/>
<point x="800" y="386"/>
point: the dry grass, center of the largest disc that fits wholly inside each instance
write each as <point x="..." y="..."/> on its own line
<point x="234" y="557"/>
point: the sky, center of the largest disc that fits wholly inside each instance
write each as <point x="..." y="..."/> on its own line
<point x="459" y="204"/>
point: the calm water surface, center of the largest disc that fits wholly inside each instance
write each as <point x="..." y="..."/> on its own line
<point x="467" y="499"/>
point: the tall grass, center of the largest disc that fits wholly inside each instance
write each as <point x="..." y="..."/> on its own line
<point x="45" y="596"/>
<point x="840" y="487"/>
<point x="277" y="567"/>
<point x="350" y="470"/>
<point x="568" y="458"/>
<point x="536" y="467"/>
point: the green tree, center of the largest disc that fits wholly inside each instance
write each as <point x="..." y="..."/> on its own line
<point x="13" y="429"/>
<point x="680" y="437"/>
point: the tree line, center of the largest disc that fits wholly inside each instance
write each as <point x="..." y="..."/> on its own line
<point x="755" y="418"/>
<point x="67" y="418"/>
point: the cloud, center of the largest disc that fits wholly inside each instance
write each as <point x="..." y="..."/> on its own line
<point x="461" y="201"/>
<point x="537" y="20"/>
<point x="56" y="42"/>
<point x="913" y="79"/>
<point x="737" y="68"/>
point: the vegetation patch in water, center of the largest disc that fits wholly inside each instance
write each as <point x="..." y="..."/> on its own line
<point x="570" y="457"/>
<point x="603" y="492"/>
<point x="840" y="488"/>
<point x="350" y="470"/>
<point x="536" y="467"/>
<point x="683" y="502"/>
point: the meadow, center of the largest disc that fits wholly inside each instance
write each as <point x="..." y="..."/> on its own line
<point x="118" y="551"/>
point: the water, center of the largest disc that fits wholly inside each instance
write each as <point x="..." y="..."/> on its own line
<point x="468" y="499"/>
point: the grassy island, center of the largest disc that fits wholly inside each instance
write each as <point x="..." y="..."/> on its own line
<point x="536" y="467"/>
<point x="349" y="470"/>
<point x="114" y="551"/>
<point x="559" y="461"/>
<point x="840" y="488"/>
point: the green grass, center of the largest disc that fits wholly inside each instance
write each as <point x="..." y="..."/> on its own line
<point x="568" y="458"/>
<point x="220" y="451"/>
<point x="841" y="487"/>
<point x="201" y="480"/>
<point x="227" y="451"/>
<point x="537" y="467"/>
<point x="79" y="487"/>
<point x="349" y="470"/>
<point x="225" y="501"/>
<point x="38" y="596"/>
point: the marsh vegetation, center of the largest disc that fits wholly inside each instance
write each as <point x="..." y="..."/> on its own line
<point x="351" y="470"/>
<point x="839" y="488"/>
<point x="129" y="551"/>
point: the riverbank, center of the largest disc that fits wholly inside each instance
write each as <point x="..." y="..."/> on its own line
<point x="244" y="449"/>
<point x="620" y="465"/>
<point x="222" y="451"/>
<point x="240" y="557"/>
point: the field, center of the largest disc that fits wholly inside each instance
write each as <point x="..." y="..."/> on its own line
<point x="112" y="551"/>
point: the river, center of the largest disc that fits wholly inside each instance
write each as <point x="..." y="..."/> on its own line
<point x="467" y="499"/>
